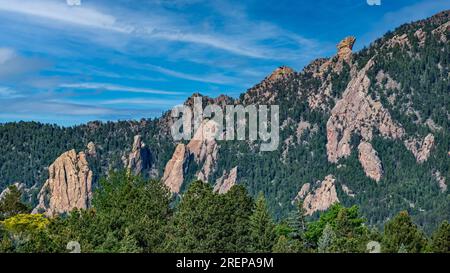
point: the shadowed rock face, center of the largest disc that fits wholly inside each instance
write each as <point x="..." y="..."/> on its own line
<point x="226" y="181"/>
<point x="69" y="185"/>
<point x="139" y="159"/>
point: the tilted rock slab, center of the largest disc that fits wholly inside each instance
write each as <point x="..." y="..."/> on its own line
<point x="174" y="171"/>
<point x="357" y="113"/>
<point x="226" y="181"/>
<point x="322" y="197"/>
<point x="368" y="158"/>
<point x="202" y="148"/>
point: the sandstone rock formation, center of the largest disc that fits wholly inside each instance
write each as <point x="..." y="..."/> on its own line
<point x="421" y="149"/>
<point x="357" y="113"/>
<point x="345" y="48"/>
<point x="202" y="148"/>
<point x="69" y="185"/>
<point x="322" y="197"/>
<point x="370" y="161"/>
<point x="139" y="159"/>
<point x="174" y="171"/>
<point x="226" y="181"/>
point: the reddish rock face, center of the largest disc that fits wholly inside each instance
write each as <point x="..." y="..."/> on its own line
<point x="322" y="197"/>
<point x="368" y="158"/>
<point x="174" y="171"/>
<point x="358" y="113"/>
<point x="69" y="185"/>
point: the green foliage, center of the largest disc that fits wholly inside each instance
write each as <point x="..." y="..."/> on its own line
<point x="326" y="241"/>
<point x="401" y="233"/>
<point x="25" y="223"/>
<point x="261" y="227"/>
<point x="440" y="240"/>
<point x="209" y="222"/>
<point x="11" y="203"/>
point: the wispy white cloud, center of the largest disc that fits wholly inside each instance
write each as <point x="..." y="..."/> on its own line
<point x="209" y="78"/>
<point x="60" y="11"/>
<point x="117" y="88"/>
<point x="241" y="36"/>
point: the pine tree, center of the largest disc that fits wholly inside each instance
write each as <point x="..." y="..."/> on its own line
<point x="262" y="227"/>
<point x="440" y="240"/>
<point x="297" y="222"/>
<point x="402" y="231"/>
<point x="326" y="240"/>
<point x="11" y="203"/>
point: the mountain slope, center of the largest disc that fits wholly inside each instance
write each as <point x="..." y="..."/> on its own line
<point x="369" y="128"/>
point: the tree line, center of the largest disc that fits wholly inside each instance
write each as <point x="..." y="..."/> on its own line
<point x="132" y="215"/>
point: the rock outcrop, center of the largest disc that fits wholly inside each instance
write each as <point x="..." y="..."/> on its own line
<point x="280" y="72"/>
<point x="368" y="158"/>
<point x="91" y="149"/>
<point x="226" y="181"/>
<point x="303" y="192"/>
<point x="69" y="185"/>
<point x="139" y="159"/>
<point x="174" y="171"/>
<point x="421" y="149"/>
<point x="345" y="48"/>
<point x="357" y="113"/>
<point x="202" y="148"/>
<point x="322" y="197"/>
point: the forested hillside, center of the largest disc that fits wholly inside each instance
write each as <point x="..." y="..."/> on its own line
<point x="373" y="126"/>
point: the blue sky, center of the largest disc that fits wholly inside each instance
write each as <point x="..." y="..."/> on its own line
<point x="125" y="59"/>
